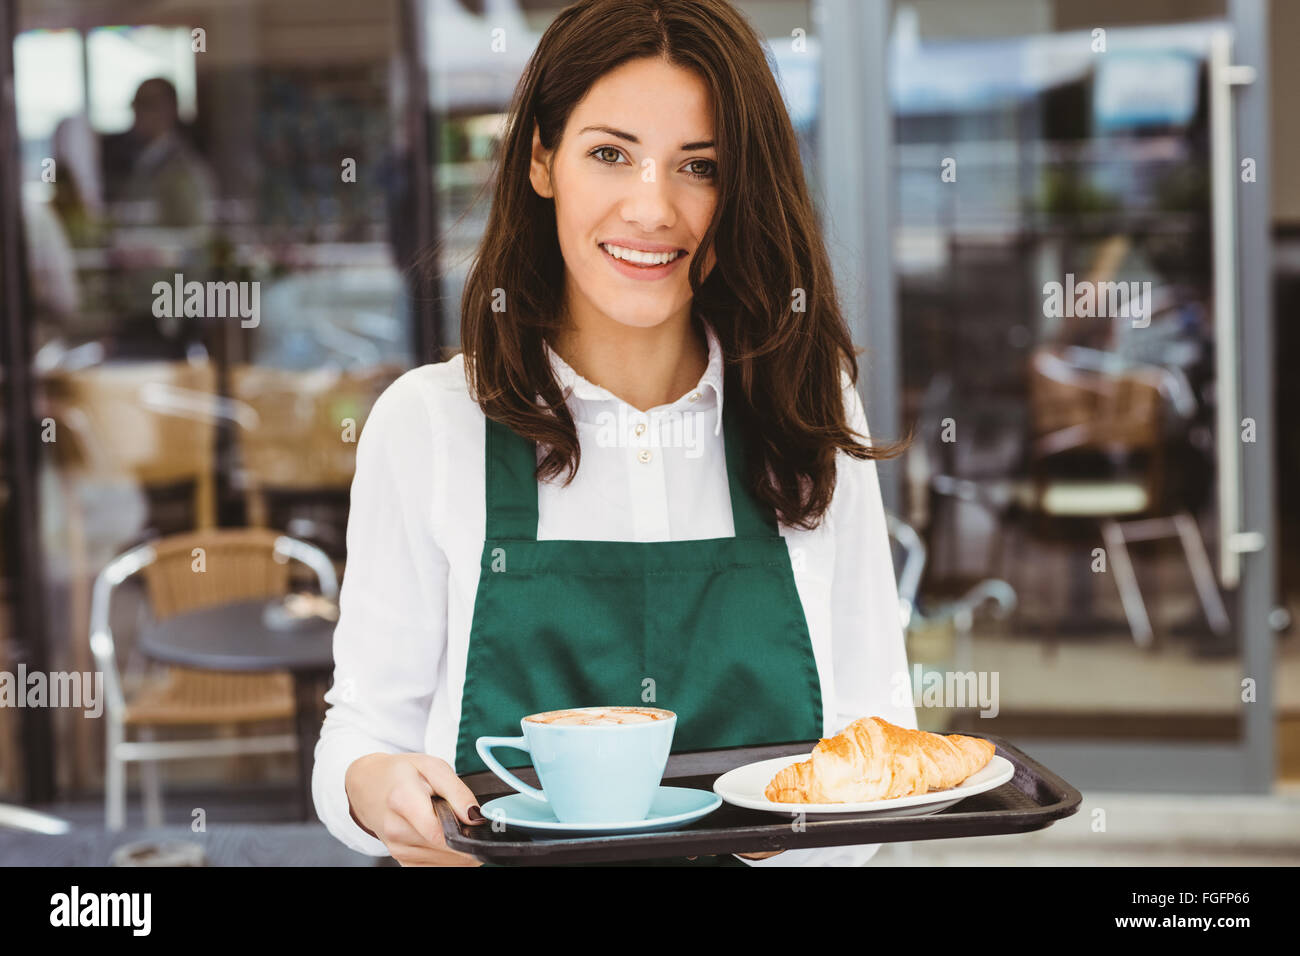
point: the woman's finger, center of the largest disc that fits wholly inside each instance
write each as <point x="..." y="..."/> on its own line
<point x="409" y="847"/>
<point x="416" y="810"/>
<point x="398" y="830"/>
<point x="444" y="782"/>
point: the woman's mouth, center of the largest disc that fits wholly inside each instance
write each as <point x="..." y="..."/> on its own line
<point x="641" y="265"/>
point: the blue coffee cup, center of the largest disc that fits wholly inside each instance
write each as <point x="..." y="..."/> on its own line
<point x="590" y="772"/>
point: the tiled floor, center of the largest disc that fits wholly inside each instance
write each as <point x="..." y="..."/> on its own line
<point x="251" y="803"/>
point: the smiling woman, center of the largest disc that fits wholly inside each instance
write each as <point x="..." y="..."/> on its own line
<point x="651" y="255"/>
<point x="642" y="128"/>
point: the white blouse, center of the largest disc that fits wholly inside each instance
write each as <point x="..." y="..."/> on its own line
<point x="415" y="538"/>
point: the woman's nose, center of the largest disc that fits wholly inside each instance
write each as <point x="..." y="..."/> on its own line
<point x="650" y="202"/>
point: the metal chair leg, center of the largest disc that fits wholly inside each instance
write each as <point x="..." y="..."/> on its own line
<point x="151" y="785"/>
<point x="1198" y="562"/>
<point x="114" y="778"/>
<point x="1126" y="580"/>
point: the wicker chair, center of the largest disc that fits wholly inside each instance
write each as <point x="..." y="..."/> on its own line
<point x="242" y="564"/>
<point x="150" y="423"/>
<point x="1074" y="409"/>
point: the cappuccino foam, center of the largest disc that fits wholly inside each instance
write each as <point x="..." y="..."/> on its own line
<point x="600" y="716"/>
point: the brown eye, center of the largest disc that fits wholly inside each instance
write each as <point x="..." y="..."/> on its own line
<point x="709" y="165"/>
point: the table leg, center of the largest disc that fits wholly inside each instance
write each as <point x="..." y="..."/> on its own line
<point x="309" y="713"/>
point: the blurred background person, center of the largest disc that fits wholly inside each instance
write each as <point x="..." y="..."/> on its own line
<point x="161" y="195"/>
<point x="153" y="167"/>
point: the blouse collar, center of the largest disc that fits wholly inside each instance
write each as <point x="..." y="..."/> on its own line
<point x="709" y="387"/>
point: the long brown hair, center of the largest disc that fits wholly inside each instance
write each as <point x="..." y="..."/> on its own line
<point x="782" y="366"/>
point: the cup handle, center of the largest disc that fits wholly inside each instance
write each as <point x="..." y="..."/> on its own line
<point x="484" y="747"/>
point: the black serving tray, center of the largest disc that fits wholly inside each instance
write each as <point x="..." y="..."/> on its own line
<point x="1033" y="799"/>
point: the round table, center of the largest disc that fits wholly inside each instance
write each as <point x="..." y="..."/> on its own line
<point x="235" y="637"/>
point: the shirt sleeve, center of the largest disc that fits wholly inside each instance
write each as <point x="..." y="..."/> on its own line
<point x="392" y="627"/>
<point x="868" y="652"/>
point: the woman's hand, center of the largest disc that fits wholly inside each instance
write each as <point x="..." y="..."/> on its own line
<point x="391" y="798"/>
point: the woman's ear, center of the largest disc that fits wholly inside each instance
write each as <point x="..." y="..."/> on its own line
<point x="538" y="169"/>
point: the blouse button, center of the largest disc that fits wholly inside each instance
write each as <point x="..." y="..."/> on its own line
<point x="643" y="456"/>
<point x="695" y="396"/>
<point x="640" y="428"/>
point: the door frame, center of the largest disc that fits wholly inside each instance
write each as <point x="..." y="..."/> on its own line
<point x="23" y="559"/>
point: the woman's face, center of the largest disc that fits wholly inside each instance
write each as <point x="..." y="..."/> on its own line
<point x="635" y="166"/>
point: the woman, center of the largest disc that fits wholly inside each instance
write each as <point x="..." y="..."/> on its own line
<point x="706" y="391"/>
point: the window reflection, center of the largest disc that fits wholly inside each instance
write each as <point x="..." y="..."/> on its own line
<point x="1053" y="249"/>
<point x="217" y="206"/>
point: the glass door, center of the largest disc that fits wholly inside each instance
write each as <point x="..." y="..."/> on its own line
<point x="1070" y="350"/>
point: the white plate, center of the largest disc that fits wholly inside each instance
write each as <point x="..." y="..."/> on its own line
<point x="744" y="786"/>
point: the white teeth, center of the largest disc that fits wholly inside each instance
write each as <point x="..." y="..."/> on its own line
<point x="640" y="258"/>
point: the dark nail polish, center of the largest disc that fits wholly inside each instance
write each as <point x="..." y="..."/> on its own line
<point x="475" y="816"/>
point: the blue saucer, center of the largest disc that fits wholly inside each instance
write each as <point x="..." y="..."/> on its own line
<point x="671" y="807"/>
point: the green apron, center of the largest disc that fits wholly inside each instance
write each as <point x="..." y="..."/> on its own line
<point x="711" y="629"/>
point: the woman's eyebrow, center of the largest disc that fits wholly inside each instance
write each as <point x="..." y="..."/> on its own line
<point x="609" y="130"/>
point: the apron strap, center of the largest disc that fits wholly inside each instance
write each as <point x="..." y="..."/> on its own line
<point x="511" y="466"/>
<point x="750" y="518"/>
<point x="511" y="484"/>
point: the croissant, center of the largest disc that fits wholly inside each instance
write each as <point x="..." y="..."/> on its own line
<point x="872" y="759"/>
